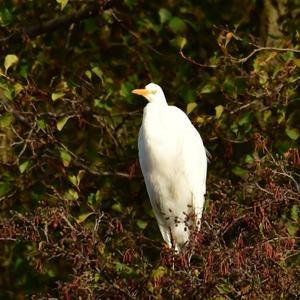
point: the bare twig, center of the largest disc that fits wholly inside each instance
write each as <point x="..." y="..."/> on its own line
<point x="244" y="59"/>
<point x="98" y="221"/>
<point x="189" y="59"/>
<point x="284" y="173"/>
<point x="7" y="239"/>
<point x="234" y="141"/>
<point x="45" y="230"/>
<point x="134" y="34"/>
<point x="51" y="25"/>
<point x="27" y="140"/>
<point x="264" y="190"/>
<point x="5" y="197"/>
<point x="242" y="107"/>
<point x="67" y="221"/>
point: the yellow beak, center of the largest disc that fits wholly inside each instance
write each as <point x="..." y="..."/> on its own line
<point x="142" y="92"/>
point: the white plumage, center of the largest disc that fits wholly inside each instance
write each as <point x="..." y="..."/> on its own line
<point x="174" y="163"/>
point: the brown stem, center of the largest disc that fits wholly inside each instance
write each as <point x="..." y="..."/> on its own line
<point x="32" y="31"/>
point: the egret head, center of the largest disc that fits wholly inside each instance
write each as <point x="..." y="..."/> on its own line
<point x="152" y="92"/>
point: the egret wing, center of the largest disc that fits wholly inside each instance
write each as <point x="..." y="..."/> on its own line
<point x="194" y="163"/>
<point x="154" y="187"/>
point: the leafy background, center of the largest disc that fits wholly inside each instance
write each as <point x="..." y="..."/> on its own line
<point x="75" y="220"/>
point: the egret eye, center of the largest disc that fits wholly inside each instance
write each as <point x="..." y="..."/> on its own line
<point x="153" y="92"/>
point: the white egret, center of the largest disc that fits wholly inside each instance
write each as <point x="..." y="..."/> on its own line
<point x="173" y="162"/>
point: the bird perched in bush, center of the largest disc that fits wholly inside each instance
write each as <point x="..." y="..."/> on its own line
<point x="174" y="163"/>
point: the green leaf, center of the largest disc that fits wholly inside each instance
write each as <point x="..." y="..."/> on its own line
<point x="177" y="25"/>
<point x="190" y="107"/>
<point x="62" y="122"/>
<point x="10" y="60"/>
<point x="292" y="133"/>
<point x="117" y="207"/>
<point x="6" y="119"/>
<point x="261" y="228"/>
<point x="126" y="89"/>
<point x="62" y="3"/>
<point x="219" y="110"/>
<point x="71" y="195"/>
<point x="263" y="77"/>
<point x="65" y="157"/>
<point x="98" y="196"/>
<point x="249" y="159"/>
<point x="57" y="95"/>
<point x="224" y="288"/>
<point x="296" y="61"/>
<point x="229" y="85"/>
<point x="295" y="212"/>
<point x="266" y="115"/>
<point x="159" y="273"/>
<point x="6" y="16"/>
<point x="41" y="124"/>
<point x="281" y="116"/>
<point x="83" y="217"/>
<point x="238" y="171"/>
<point x="23" y="166"/>
<point x="164" y="15"/>
<point x="234" y="127"/>
<point x="122" y="268"/>
<point x="18" y="88"/>
<point x="200" y="120"/>
<point x="292" y="229"/>
<point x="73" y="179"/>
<point x="88" y="74"/>
<point x="208" y="88"/>
<point x="181" y="42"/>
<point x="245" y="119"/>
<point x="288" y="55"/>
<point x="5" y="187"/>
<point x="80" y="175"/>
<point x="98" y="72"/>
<point x="141" y="224"/>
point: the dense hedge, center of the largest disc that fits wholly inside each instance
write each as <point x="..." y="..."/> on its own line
<point x="75" y="220"/>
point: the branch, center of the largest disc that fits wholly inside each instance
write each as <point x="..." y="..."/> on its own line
<point x="189" y="59"/>
<point x="242" y="60"/>
<point x="51" y="25"/>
